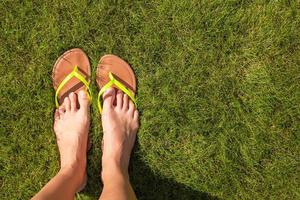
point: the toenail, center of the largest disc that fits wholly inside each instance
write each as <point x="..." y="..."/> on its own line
<point x="82" y="93"/>
<point x="108" y="91"/>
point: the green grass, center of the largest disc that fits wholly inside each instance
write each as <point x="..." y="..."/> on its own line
<point x="218" y="92"/>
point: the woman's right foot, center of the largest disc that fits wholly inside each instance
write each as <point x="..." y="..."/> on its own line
<point x="120" y="125"/>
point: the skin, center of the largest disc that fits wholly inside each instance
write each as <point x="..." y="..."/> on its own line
<point x="71" y="126"/>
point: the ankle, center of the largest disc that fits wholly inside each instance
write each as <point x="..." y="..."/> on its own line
<point x="113" y="170"/>
<point x="74" y="173"/>
<point x="76" y="169"/>
<point x="73" y="163"/>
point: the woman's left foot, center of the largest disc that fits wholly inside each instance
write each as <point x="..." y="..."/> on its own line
<point x="71" y="126"/>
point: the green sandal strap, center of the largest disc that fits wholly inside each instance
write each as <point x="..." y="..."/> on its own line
<point x="74" y="73"/>
<point x="119" y="85"/>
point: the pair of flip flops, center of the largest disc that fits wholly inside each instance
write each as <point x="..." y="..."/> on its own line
<point x="72" y="73"/>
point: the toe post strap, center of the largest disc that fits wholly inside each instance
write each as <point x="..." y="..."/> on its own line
<point x="119" y="85"/>
<point x="75" y="73"/>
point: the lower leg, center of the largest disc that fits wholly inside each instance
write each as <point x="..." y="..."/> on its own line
<point x="120" y="124"/>
<point x="63" y="186"/>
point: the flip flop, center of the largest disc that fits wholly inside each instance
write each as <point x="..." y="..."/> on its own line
<point x="71" y="73"/>
<point x="113" y="71"/>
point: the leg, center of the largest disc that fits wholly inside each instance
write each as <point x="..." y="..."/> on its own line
<point x="120" y="124"/>
<point x="71" y="126"/>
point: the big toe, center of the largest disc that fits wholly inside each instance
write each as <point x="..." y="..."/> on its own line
<point x="108" y="98"/>
<point x="83" y="100"/>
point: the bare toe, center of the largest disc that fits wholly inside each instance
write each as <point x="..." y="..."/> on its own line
<point x="61" y="111"/>
<point x="67" y="104"/>
<point x="108" y="98"/>
<point x="136" y="115"/>
<point x="83" y="100"/>
<point x="119" y="99"/>
<point x="131" y="106"/>
<point x="56" y="115"/>
<point x="125" y="102"/>
<point x="73" y="101"/>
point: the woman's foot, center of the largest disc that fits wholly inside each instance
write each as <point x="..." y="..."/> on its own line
<point x="71" y="126"/>
<point x="120" y="125"/>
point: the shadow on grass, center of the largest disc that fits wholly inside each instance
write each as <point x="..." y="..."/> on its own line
<point x="145" y="183"/>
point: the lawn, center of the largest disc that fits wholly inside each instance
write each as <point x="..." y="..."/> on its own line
<point x="218" y="93"/>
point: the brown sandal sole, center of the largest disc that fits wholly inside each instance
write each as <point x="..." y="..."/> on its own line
<point x="64" y="66"/>
<point x="120" y="69"/>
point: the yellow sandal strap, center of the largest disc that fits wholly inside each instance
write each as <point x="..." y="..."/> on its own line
<point x="74" y="73"/>
<point x="119" y="85"/>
